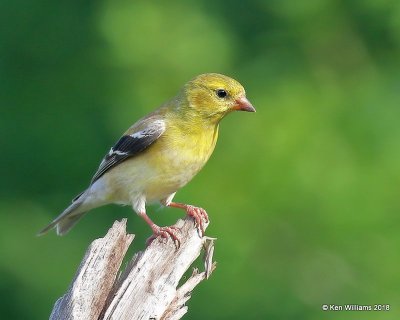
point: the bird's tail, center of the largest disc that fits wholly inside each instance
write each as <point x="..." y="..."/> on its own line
<point x="67" y="219"/>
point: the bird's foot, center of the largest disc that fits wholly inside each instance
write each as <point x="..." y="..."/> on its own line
<point x="164" y="233"/>
<point x="199" y="215"/>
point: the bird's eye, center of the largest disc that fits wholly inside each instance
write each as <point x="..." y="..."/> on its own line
<point x="221" y="93"/>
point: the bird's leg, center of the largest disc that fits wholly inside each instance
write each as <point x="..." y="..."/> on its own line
<point x="197" y="213"/>
<point x="164" y="232"/>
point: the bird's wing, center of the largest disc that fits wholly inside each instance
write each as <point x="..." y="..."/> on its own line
<point x="131" y="144"/>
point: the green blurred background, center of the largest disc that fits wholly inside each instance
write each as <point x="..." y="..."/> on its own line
<point x="303" y="195"/>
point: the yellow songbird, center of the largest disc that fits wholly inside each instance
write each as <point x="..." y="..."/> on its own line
<point x="161" y="153"/>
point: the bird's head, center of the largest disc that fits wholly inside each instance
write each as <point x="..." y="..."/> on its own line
<point x="214" y="95"/>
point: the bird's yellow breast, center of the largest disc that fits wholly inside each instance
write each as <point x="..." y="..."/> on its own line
<point x="178" y="156"/>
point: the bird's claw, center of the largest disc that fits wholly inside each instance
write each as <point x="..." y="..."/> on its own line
<point x="199" y="215"/>
<point x="164" y="233"/>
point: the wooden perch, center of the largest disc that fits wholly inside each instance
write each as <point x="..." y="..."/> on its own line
<point x="146" y="289"/>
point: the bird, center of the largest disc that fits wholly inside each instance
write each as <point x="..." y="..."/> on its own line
<point x="161" y="153"/>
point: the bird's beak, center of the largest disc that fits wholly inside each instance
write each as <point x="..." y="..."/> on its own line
<point x="242" y="104"/>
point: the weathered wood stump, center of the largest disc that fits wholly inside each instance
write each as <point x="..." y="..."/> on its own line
<point x="147" y="288"/>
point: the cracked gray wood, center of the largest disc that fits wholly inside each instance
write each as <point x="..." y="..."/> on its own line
<point x="147" y="288"/>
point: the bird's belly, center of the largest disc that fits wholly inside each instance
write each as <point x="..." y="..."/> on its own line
<point x="154" y="179"/>
<point x="171" y="174"/>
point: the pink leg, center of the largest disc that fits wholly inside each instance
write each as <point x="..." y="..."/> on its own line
<point x="163" y="232"/>
<point x="198" y="214"/>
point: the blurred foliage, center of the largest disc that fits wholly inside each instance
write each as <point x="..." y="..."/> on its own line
<point x="306" y="208"/>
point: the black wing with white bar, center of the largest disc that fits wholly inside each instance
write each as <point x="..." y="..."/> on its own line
<point x="129" y="146"/>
